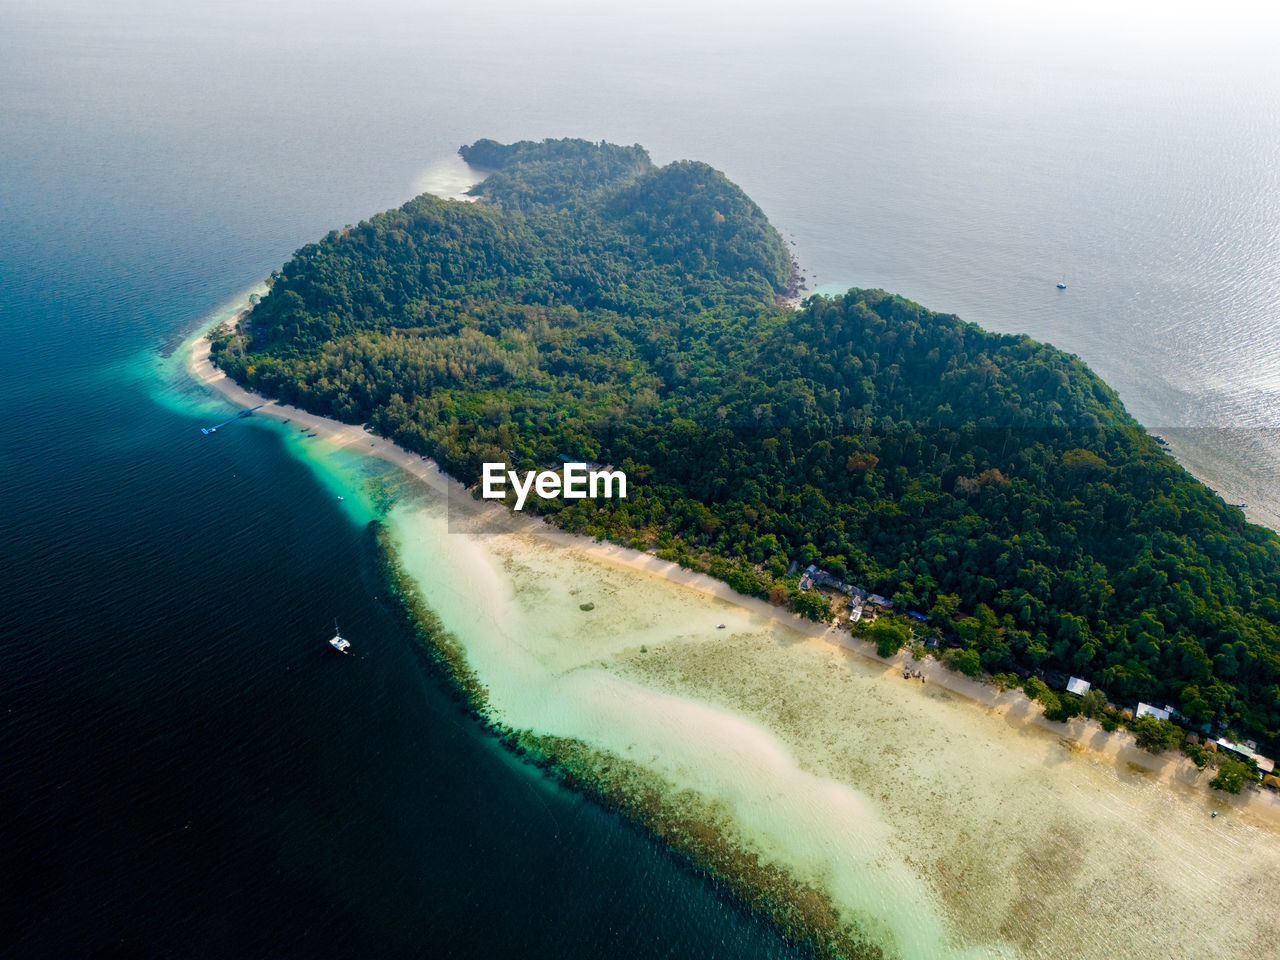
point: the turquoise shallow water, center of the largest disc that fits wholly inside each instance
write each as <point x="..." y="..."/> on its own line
<point x="186" y="773"/>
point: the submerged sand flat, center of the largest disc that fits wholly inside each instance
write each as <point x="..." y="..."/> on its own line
<point x="947" y="827"/>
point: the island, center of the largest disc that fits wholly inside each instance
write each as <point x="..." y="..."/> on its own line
<point x="979" y="498"/>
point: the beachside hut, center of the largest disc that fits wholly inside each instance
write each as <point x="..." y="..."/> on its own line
<point x="1077" y="686"/>
<point x="1265" y="764"/>
<point x="1147" y="710"/>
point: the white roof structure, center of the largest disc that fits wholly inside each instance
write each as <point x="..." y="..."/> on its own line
<point x="1077" y="686"/>
<point x="1265" y="764"/>
<point x="1147" y="710"/>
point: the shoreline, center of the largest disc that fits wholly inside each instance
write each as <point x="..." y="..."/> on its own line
<point x="781" y="757"/>
<point x="1173" y="769"/>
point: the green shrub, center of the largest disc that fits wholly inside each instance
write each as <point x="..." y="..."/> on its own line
<point x="889" y="637"/>
<point x="1155" y="735"/>
<point x="1067" y="705"/>
<point x="1052" y="706"/>
<point x="967" y="662"/>
<point x="1232" y="776"/>
<point x="1035" y="688"/>
<point x="811" y="604"/>
<point x="1093" y="703"/>
<point x="1198" y="754"/>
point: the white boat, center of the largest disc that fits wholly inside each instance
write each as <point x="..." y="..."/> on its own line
<point x="339" y="642"/>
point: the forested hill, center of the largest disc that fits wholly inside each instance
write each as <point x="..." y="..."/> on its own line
<point x="593" y="306"/>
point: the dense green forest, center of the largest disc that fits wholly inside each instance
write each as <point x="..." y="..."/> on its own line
<point x="595" y="306"/>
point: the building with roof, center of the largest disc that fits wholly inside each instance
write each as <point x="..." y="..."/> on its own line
<point x="1250" y="750"/>
<point x="1077" y="686"/>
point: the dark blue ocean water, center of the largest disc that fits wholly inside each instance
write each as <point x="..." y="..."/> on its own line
<point x="185" y="770"/>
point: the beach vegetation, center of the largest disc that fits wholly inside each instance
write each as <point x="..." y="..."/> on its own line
<point x="1156" y="735"/>
<point x="1093" y="703"/>
<point x="1052" y="704"/>
<point x="1006" y="681"/>
<point x="1233" y="775"/>
<point x="1035" y="688"/>
<point x="1057" y="706"/>
<point x="964" y="661"/>
<point x="888" y="636"/>
<point x="810" y="604"/>
<point x="1197" y="753"/>
<point x="1063" y="707"/>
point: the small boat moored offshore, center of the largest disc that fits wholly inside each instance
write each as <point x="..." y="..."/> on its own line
<point x="339" y="642"/>
<point x="1062" y="285"/>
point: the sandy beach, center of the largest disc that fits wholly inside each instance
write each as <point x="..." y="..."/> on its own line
<point x="945" y="818"/>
